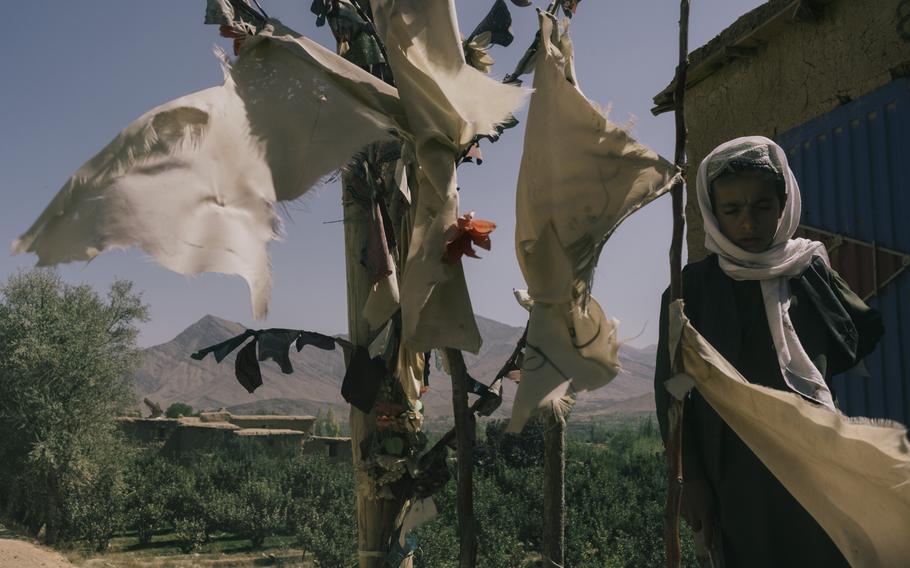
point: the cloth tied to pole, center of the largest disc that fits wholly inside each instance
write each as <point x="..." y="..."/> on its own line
<point x="851" y="474"/>
<point x="573" y="191"/>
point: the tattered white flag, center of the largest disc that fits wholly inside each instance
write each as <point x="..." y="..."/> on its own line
<point x="851" y="474"/>
<point x="194" y="181"/>
<point x="447" y="103"/>
<point x="581" y="176"/>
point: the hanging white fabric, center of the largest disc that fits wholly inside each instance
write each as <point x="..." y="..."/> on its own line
<point x="581" y="176"/>
<point x="194" y="182"/>
<point x="447" y="103"/>
<point x="851" y="474"/>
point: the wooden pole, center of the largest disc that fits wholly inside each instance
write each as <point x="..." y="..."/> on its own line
<point x="554" y="490"/>
<point x="375" y="517"/>
<point x="674" y="484"/>
<point x="376" y="521"/>
<point x="679" y="221"/>
<point x="675" y="411"/>
<point x="464" y="435"/>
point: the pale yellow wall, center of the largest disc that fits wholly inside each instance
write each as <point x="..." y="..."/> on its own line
<point x="798" y="75"/>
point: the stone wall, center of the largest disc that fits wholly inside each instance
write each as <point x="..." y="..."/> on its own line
<point x="269" y="422"/>
<point x="786" y="72"/>
<point x="211" y="430"/>
<point x="272" y="438"/>
<point x="193" y="435"/>
<point x="148" y="430"/>
<point x="336" y="449"/>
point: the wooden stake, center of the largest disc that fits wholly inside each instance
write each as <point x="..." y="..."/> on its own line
<point x="679" y="220"/>
<point x="675" y="418"/>
<point x="375" y="517"/>
<point x="554" y="490"/>
<point x="674" y="483"/>
<point x="464" y="435"/>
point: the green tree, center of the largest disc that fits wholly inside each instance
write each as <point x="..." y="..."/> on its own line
<point x="323" y="510"/>
<point x="317" y="426"/>
<point x="151" y="481"/>
<point x="499" y="449"/>
<point x="65" y="374"/>
<point x="178" y="409"/>
<point x="331" y="427"/>
<point x="94" y="508"/>
<point x="262" y="510"/>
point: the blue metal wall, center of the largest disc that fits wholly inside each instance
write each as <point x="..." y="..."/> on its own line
<point x="853" y="167"/>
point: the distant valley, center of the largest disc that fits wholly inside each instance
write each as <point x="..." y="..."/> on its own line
<point x="168" y="375"/>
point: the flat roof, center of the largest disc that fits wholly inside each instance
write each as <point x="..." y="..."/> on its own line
<point x="283" y="417"/>
<point x="140" y="419"/>
<point x="268" y="432"/>
<point x="207" y="426"/>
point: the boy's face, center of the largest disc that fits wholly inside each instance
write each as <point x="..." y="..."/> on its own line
<point x="747" y="209"/>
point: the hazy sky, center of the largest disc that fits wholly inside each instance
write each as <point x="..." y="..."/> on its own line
<point x="76" y="73"/>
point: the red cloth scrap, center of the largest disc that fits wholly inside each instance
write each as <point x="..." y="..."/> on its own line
<point x="468" y="231"/>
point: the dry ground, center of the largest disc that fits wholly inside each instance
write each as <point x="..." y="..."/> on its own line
<point x="18" y="552"/>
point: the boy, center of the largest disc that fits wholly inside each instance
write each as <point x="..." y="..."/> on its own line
<point x="772" y="306"/>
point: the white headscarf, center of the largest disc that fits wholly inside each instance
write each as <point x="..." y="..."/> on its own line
<point x="786" y="258"/>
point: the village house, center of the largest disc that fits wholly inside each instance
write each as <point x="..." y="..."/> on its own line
<point x="827" y="80"/>
<point x="210" y="430"/>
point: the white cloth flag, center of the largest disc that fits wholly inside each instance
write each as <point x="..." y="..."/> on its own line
<point x="194" y="181"/>
<point x="851" y="474"/>
<point x="447" y="103"/>
<point x="581" y="175"/>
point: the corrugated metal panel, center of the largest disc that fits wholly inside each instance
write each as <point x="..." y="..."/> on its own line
<point x="852" y="166"/>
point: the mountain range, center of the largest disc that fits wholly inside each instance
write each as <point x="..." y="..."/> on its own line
<point x="168" y="374"/>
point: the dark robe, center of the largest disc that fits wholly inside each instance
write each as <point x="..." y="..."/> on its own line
<point x="759" y="523"/>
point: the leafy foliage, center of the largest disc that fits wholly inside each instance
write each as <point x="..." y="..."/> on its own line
<point x="250" y="491"/>
<point x="67" y="358"/>
<point x="151" y="481"/>
<point x="262" y="510"/>
<point x="615" y="492"/>
<point x="500" y="449"/>
<point x="178" y="409"/>
<point x="331" y="427"/>
<point x="94" y="503"/>
<point x="191" y="534"/>
<point x="67" y="354"/>
<point x="322" y="512"/>
<point x="327" y="424"/>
